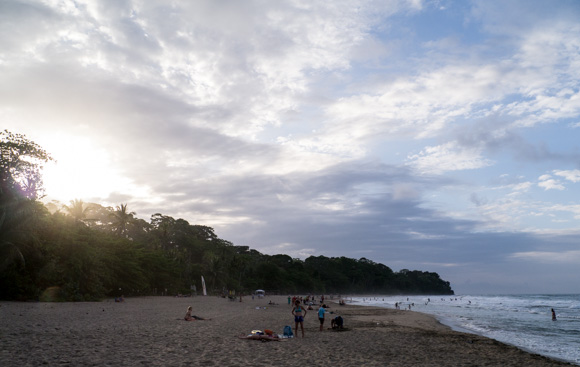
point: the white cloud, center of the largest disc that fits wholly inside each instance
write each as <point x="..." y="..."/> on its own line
<point x="570" y="175"/>
<point x="551" y="184"/>
<point x="572" y="257"/>
<point x="523" y="186"/>
<point x="416" y="107"/>
<point x="424" y="236"/>
<point x="573" y="209"/>
<point x="548" y="63"/>
<point x="548" y="183"/>
<point x="425" y="105"/>
<point x="447" y="157"/>
<point x="544" y="177"/>
<point x="516" y="188"/>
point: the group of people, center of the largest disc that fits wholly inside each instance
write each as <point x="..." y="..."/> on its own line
<point x="300" y="311"/>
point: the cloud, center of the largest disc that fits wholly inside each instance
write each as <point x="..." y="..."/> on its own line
<point x="265" y="52"/>
<point x="572" y="257"/>
<point x="573" y="209"/>
<point x="523" y="186"/>
<point x="447" y="157"/>
<point x="548" y="183"/>
<point x="339" y="128"/>
<point x="500" y="95"/>
<point x="424" y="236"/>
<point x="418" y="107"/>
<point x="570" y="175"/>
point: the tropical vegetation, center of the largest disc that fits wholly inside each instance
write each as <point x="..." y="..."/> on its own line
<point x="86" y="251"/>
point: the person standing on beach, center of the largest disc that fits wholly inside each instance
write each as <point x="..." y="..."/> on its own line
<point x="321" y="312"/>
<point x="297" y="311"/>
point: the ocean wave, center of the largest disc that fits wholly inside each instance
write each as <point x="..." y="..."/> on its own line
<point x="521" y="320"/>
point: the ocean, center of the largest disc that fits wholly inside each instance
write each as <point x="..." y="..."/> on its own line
<point x="521" y="320"/>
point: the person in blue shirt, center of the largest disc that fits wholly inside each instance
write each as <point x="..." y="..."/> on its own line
<point x="321" y="312"/>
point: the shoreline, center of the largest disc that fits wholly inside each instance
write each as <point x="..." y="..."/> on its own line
<point x="523" y="342"/>
<point x="467" y="331"/>
<point x="151" y="331"/>
<point x="458" y="329"/>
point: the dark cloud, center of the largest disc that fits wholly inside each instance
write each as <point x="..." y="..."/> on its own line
<point x="498" y="136"/>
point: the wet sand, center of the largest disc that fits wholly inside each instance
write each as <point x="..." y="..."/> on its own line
<point x="150" y="331"/>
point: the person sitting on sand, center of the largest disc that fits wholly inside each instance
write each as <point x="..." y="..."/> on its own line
<point x="337" y="323"/>
<point x="190" y="317"/>
<point x="298" y="317"/>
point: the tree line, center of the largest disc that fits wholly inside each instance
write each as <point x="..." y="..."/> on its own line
<point x="86" y="251"/>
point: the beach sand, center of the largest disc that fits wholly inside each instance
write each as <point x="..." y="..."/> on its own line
<point x="150" y="331"/>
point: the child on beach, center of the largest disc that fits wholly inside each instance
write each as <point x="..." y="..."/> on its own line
<point x="298" y="317"/>
<point x="321" y="312"/>
<point x="189" y="317"/>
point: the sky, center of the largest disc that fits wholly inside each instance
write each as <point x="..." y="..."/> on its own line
<point x="437" y="135"/>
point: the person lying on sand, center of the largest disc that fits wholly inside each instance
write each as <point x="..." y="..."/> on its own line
<point x="265" y="336"/>
<point x="189" y="317"/>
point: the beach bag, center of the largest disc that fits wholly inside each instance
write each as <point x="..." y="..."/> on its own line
<point x="288" y="331"/>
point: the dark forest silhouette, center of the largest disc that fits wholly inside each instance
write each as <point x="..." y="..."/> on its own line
<point x="85" y="251"/>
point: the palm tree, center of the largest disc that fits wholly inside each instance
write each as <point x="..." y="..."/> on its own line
<point x="121" y="218"/>
<point x="77" y="210"/>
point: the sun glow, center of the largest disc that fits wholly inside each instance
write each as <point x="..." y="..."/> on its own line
<point x="82" y="171"/>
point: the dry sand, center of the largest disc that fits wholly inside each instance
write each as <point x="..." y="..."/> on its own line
<point x="150" y="331"/>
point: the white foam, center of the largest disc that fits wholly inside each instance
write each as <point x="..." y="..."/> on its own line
<point x="520" y="320"/>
